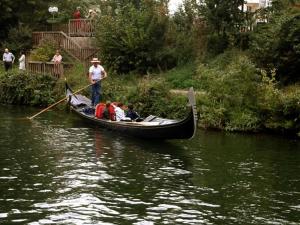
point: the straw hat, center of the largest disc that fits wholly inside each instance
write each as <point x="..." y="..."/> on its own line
<point x="95" y="60"/>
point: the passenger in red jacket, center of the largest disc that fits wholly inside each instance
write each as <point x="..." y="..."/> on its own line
<point x="105" y="111"/>
<point x="99" y="110"/>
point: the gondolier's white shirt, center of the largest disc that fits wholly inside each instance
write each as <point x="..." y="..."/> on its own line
<point x="97" y="72"/>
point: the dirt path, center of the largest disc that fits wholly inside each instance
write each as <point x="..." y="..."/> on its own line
<point x="184" y="92"/>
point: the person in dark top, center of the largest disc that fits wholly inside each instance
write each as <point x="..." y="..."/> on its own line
<point x="133" y="115"/>
<point x="106" y="114"/>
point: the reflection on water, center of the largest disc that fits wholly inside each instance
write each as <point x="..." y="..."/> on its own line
<point x="58" y="170"/>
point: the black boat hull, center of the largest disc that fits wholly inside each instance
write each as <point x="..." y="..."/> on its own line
<point x="184" y="129"/>
<point x="152" y="128"/>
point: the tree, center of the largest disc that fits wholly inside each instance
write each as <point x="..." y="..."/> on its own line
<point x="287" y="58"/>
<point x="130" y="36"/>
<point x="224" y="18"/>
<point x="224" y="15"/>
<point x="18" y="12"/>
<point x="275" y="45"/>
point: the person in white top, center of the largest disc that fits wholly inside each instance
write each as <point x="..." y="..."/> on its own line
<point x="96" y="74"/>
<point x="120" y="114"/>
<point x="8" y="59"/>
<point x="57" y="58"/>
<point x="22" y="61"/>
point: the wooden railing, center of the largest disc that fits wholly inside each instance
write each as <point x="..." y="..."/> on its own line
<point x="61" y="27"/>
<point x="81" y="27"/>
<point x="63" y="41"/>
<point x="60" y="39"/>
<point x="48" y="68"/>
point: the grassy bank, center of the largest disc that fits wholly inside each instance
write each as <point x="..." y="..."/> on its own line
<point x="236" y="96"/>
<point x="233" y="94"/>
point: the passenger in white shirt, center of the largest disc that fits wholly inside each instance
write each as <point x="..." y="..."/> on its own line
<point x="120" y="114"/>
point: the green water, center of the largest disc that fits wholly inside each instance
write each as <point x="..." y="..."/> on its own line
<point x="58" y="170"/>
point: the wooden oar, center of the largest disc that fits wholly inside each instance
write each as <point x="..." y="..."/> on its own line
<point x="56" y="103"/>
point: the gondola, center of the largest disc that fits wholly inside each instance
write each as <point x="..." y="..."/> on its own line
<point x="152" y="127"/>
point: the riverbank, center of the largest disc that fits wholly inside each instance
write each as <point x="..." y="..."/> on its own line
<point x="232" y="94"/>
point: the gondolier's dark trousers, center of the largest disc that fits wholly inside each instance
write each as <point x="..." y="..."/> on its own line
<point x="96" y="88"/>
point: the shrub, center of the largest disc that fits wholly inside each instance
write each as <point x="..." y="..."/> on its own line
<point x="153" y="97"/>
<point x="242" y="120"/>
<point x="284" y="115"/>
<point x="26" y="89"/>
<point x="230" y="82"/>
<point x="182" y="77"/>
<point x="44" y="52"/>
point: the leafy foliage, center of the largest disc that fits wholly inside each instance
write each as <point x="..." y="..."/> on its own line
<point x="230" y="82"/>
<point x="183" y="77"/>
<point x="275" y="44"/>
<point x="225" y="15"/>
<point x="288" y="51"/>
<point x="44" y="52"/>
<point x="19" y="39"/>
<point x="224" y="19"/>
<point x="20" y="12"/>
<point x="153" y="97"/>
<point x="26" y="89"/>
<point x="130" y="39"/>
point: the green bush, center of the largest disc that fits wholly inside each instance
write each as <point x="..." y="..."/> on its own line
<point x="284" y="115"/>
<point x="44" y="52"/>
<point x="26" y="89"/>
<point x="230" y="82"/>
<point x="153" y="97"/>
<point x="242" y="120"/>
<point x="182" y="77"/>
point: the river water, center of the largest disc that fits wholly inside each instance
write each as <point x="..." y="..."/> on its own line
<point x="56" y="169"/>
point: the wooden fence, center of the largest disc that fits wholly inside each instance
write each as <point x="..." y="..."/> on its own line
<point x="48" y="68"/>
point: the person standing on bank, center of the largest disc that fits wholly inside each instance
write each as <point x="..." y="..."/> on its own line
<point x="57" y="59"/>
<point x="96" y="74"/>
<point x="8" y="59"/>
<point x="22" y="61"/>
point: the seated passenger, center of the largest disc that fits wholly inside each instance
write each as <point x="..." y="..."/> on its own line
<point x="120" y="114"/>
<point x="108" y="111"/>
<point x="131" y="113"/>
<point x="99" y="110"/>
<point x="112" y="113"/>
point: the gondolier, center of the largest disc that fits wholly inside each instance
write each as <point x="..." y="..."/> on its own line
<point x="8" y="59"/>
<point x="96" y="74"/>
